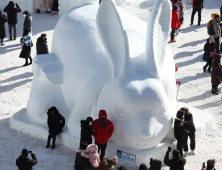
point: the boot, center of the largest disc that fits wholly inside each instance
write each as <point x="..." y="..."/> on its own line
<point x="48" y="141"/>
<point x="214" y="91"/>
<point x="209" y="71"/>
<point x="198" y="23"/>
<point x="26" y="64"/>
<point x="30" y="61"/>
<point x="14" y="37"/>
<point x="191" y="24"/>
<point x="204" y="69"/>
<point x="53" y="142"/>
<point x="173" y="40"/>
<point x="10" y="37"/>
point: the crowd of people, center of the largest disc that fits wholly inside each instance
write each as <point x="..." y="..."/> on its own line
<point x="87" y="157"/>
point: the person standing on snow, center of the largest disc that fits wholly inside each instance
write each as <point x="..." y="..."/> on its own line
<point x="217" y="30"/>
<point x="3" y="20"/>
<point x="38" y="5"/>
<point x="55" y="7"/>
<point x="179" y="131"/>
<point x="182" y="9"/>
<point x="12" y="17"/>
<point x="175" y="23"/>
<point x="26" y="43"/>
<point x="86" y="132"/>
<point x="47" y="5"/>
<point x="197" y="7"/>
<point x="209" y="49"/>
<point x="103" y="130"/>
<point x="216" y="68"/>
<point x="189" y="125"/>
<point x="27" y="21"/>
<point x="55" y="123"/>
<point x="41" y="45"/>
<point x="23" y="161"/>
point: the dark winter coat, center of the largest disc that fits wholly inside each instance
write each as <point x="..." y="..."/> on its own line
<point x="175" y="163"/>
<point x="56" y="121"/>
<point x="86" y="133"/>
<point x="26" y="163"/>
<point x="208" y="48"/>
<point x="83" y="162"/>
<point x="28" y="22"/>
<point x="26" y="52"/>
<point x="12" y="13"/>
<point x="102" y="134"/>
<point x="188" y="123"/>
<point x="179" y="130"/>
<point x="3" y="20"/>
<point x="195" y="4"/>
<point x="221" y="13"/>
<point x="55" y="5"/>
<point x="216" y="66"/>
<point x="41" y="46"/>
<point x="175" y="23"/>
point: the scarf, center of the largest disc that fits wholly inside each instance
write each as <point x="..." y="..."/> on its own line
<point x="102" y="123"/>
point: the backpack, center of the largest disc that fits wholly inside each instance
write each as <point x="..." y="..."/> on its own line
<point x="210" y="30"/>
<point x="199" y="3"/>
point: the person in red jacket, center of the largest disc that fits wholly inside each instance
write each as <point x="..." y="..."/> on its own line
<point x="197" y="6"/>
<point x="175" y="23"/>
<point x="103" y="130"/>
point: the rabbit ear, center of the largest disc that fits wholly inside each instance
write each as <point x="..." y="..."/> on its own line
<point x="114" y="39"/>
<point x="158" y="30"/>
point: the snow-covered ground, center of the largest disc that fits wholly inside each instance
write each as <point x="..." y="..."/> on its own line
<point x="15" y="84"/>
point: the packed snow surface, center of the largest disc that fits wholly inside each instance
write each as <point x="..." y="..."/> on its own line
<point x="195" y="89"/>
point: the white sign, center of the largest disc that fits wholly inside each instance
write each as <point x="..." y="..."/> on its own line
<point x="126" y="156"/>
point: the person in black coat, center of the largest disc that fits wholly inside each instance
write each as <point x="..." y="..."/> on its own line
<point x="12" y="17"/>
<point x="189" y="125"/>
<point x="41" y="45"/>
<point x="55" y="123"/>
<point x="177" y="163"/>
<point x="179" y="131"/>
<point x="3" y="20"/>
<point x="26" y="43"/>
<point x="24" y="163"/>
<point x="28" y="21"/>
<point x="86" y="132"/>
<point x="55" y="7"/>
<point x="210" y="49"/>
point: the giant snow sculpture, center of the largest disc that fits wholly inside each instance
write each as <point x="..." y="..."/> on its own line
<point x="105" y="58"/>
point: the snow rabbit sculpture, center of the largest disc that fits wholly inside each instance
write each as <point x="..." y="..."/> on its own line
<point x="105" y="58"/>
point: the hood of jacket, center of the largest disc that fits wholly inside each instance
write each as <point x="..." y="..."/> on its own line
<point x="102" y="112"/>
<point x="41" y="40"/>
<point x="217" y="57"/>
<point x="53" y="108"/>
<point x="11" y="4"/>
<point x="92" y="148"/>
<point x="180" y="114"/>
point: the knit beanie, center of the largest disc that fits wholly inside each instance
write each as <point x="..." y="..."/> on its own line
<point x="175" y="7"/>
<point x="180" y="114"/>
<point x="25" y="153"/>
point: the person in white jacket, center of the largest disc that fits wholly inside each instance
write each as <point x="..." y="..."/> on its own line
<point x="38" y="5"/>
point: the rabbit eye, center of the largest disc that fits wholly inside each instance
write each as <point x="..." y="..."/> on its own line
<point x="120" y="113"/>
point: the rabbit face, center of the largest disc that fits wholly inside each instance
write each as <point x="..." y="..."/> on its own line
<point x="139" y="110"/>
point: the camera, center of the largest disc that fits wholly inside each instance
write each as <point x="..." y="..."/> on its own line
<point x="30" y="151"/>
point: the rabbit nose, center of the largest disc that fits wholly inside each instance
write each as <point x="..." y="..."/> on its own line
<point x="145" y="134"/>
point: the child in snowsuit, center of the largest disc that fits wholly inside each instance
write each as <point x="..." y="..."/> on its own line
<point x="38" y="5"/>
<point x="209" y="49"/>
<point x="55" y="7"/>
<point x="181" y="10"/>
<point x="175" y="23"/>
<point x="216" y="66"/>
<point x="92" y="155"/>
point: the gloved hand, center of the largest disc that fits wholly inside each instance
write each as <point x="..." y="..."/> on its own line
<point x="178" y="82"/>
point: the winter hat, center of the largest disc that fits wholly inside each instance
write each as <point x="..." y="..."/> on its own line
<point x="156" y="164"/>
<point x="92" y="148"/>
<point x="216" y="15"/>
<point x="176" y="153"/>
<point x="211" y="39"/>
<point x="143" y="167"/>
<point x="180" y="114"/>
<point x="175" y="7"/>
<point x="11" y="4"/>
<point x="25" y="153"/>
<point x="213" y="15"/>
<point x="89" y="119"/>
<point x="26" y="13"/>
<point x="43" y="35"/>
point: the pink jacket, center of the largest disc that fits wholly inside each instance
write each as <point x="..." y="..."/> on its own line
<point x="92" y="155"/>
<point x="48" y="3"/>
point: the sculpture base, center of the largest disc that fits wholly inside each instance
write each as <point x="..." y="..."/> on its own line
<point x="22" y="122"/>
